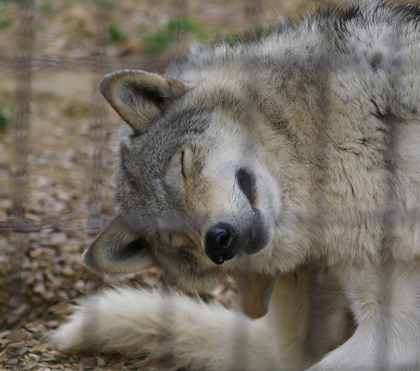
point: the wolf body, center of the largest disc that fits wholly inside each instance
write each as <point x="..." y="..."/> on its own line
<point x="290" y="162"/>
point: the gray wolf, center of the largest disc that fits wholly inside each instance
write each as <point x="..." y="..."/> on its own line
<point x="290" y="161"/>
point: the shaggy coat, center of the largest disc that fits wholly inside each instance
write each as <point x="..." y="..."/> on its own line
<point x="289" y="161"/>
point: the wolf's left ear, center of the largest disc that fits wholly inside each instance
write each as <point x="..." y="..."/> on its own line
<point x="117" y="249"/>
<point x="139" y="97"/>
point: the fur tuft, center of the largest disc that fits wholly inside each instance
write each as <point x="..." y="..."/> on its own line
<point x="187" y="332"/>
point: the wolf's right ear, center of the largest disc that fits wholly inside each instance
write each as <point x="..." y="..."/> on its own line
<point x="139" y="97"/>
<point x="117" y="249"/>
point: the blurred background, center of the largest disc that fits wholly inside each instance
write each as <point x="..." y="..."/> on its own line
<point x="55" y="148"/>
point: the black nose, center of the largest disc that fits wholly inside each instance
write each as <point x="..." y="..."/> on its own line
<point x="221" y="243"/>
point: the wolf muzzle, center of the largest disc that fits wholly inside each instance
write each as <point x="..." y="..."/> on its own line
<point x="221" y="243"/>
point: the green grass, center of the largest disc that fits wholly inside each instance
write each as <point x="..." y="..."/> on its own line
<point x="183" y="24"/>
<point x="115" y="33"/>
<point x="159" y="41"/>
<point x="41" y="25"/>
<point x="5" y="119"/>
<point x="46" y="8"/>
<point x="5" y="22"/>
<point x="142" y="26"/>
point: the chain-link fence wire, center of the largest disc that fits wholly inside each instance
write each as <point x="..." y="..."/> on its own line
<point x="24" y="66"/>
<point x="19" y="170"/>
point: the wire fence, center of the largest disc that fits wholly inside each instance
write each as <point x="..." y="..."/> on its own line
<point x="19" y="173"/>
<point x="17" y="225"/>
<point x="25" y="64"/>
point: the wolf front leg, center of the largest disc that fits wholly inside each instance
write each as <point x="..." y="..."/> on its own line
<point x="386" y="305"/>
<point x="188" y="333"/>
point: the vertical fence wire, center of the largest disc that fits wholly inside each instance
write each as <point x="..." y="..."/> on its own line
<point x="319" y="172"/>
<point x="98" y="133"/>
<point x="389" y="224"/>
<point x="391" y="215"/>
<point x="101" y="65"/>
<point x="19" y="168"/>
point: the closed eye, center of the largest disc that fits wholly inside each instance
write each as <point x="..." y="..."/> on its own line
<point x="182" y="164"/>
<point x="245" y="183"/>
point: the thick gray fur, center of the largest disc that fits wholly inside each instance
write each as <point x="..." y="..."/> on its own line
<point x="324" y="116"/>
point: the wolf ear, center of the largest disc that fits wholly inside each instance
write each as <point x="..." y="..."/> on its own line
<point x="139" y="97"/>
<point x="117" y="249"/>
<point x="254" y="292"/>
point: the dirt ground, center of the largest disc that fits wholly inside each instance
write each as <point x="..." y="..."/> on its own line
<point x="64" y="189"/>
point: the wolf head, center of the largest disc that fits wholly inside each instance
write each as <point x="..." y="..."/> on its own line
<point x="192" y="191"/>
